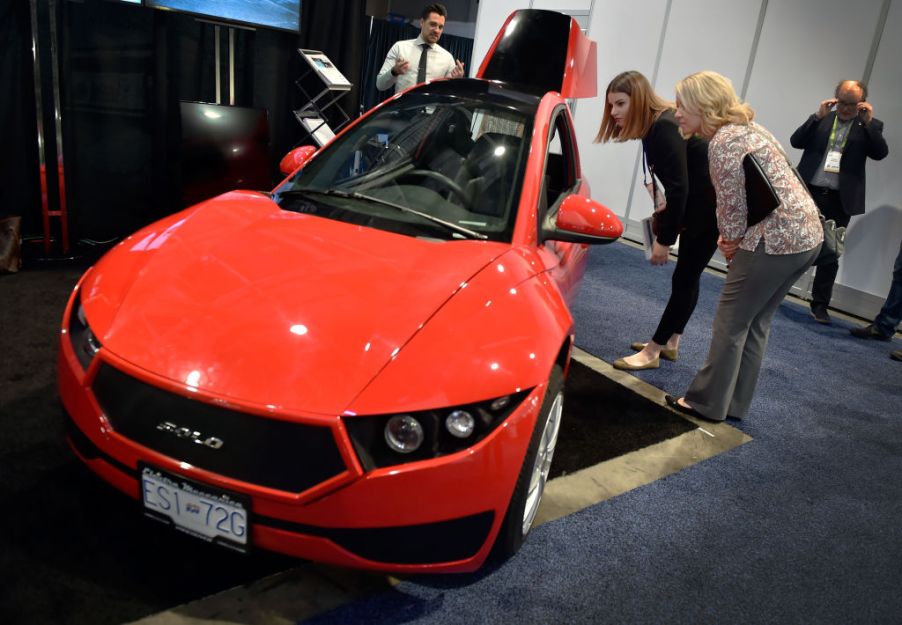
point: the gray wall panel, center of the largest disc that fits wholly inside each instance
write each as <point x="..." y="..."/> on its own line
<point x="622" y="45"/>
<point x="873" y="238"/>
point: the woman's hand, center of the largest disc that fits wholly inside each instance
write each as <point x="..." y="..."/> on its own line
<point x="728" y="248"/>
<point x="659" y="254"/>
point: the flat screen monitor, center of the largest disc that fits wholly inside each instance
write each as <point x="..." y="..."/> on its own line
<point x="280" y="14"/>
<point x="222" y="148"/>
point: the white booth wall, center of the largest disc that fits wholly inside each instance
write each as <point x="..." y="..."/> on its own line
<point x="784" y="57"/>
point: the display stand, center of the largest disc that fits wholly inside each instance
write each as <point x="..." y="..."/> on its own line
<point x="322" y="84"/>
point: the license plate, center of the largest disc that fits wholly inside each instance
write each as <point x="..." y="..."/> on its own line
<point x="208" y="513"/>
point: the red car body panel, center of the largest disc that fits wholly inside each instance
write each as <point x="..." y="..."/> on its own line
<point x="419" y="492"/>
<point x="238" y="304"/>
<point x="466" y="335"/>
<point x="581" y="73"/>
<point x="203" y="291"/>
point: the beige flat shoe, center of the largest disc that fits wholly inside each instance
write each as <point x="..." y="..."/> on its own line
<point x="623" y="365"/>
<point x="666" y="354"/>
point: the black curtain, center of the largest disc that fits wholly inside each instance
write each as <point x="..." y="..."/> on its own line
<point x="126" y="69"/>
<point x="107" y="57"/>
<point x="383" y="36"/>
<point x="19" y="187"/>
<point x="123" y="70"/>
<point x="339" y="30"/>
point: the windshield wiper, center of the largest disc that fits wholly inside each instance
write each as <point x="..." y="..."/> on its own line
<point x="404" y="209"/>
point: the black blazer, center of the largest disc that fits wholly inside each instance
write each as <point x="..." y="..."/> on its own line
<point x="864" y="141"/>
<point x="682" y="167"/>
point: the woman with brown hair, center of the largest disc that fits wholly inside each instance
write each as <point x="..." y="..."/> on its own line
<point x="765" y="259"/>
<point x="686" y="207"/>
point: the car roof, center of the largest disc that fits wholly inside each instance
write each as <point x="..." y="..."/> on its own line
<point x="489" y="91"/>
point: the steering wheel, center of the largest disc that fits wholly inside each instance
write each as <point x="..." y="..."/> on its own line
<point x="446" y="181"/>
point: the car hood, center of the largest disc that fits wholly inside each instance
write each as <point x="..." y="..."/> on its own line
<point x="286" y="311"/>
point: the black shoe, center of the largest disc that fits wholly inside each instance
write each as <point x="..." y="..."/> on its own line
<point x="819" y="312"/>
<point x="896" y="355"/>
<point x="674" y="403"/>
<point x="868" y="332"/>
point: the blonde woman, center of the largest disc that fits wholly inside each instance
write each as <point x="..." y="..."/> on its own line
<point x="765" y="260"/>
<point x="685" y="208"/>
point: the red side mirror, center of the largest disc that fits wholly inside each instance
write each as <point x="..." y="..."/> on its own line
<point x="296" y="159"/>
<point x="581" y="215"/>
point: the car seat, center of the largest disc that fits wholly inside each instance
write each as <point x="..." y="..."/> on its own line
<point x="488" y="172"/>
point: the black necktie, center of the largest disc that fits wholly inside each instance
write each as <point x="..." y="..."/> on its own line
<point x="421" y="69"/>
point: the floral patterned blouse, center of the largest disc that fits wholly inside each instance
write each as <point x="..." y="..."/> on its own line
<point x="794" y="226"/>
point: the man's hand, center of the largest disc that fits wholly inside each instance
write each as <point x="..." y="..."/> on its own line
<point x="825" y="108"/>
<point x="659" y="254"/>
<point x="865" y="112"/>
<point x="401" y="67"/>
<point x="458" y="70"/>
<point x="728" y="248"/>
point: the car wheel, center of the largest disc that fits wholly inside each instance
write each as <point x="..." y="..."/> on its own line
<point x="521" y="512"/>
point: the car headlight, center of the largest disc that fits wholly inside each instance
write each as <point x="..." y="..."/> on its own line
<point x="460" y="423"/>
<point x="84" y="343"/>
<point x="386" y="440"/>
<point x="404" y="434"/>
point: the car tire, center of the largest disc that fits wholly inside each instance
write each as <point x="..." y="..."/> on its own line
<point x="533" y="475"/>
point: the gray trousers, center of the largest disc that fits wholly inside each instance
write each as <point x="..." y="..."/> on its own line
<point x="756" y="283"/>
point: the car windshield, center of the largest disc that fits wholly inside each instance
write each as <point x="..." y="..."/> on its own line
<point x="438" y="166"/>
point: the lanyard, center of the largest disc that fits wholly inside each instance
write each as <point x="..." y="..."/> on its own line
<point x="833" y="135"/>
<point x="646" y="169"/>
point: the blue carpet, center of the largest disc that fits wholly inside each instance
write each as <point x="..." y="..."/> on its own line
<point x="802" y="525"/>
<point x="621" y="301"/>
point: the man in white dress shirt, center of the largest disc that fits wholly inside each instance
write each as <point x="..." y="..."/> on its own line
<point x="414" y="61"/>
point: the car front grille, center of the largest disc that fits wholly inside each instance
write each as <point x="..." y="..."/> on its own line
<point x="283" y="455"/>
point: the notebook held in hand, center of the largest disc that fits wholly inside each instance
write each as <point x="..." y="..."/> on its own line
<point x="761" y="198"/>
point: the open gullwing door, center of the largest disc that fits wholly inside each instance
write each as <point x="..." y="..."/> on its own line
<point x="543" y="51"/>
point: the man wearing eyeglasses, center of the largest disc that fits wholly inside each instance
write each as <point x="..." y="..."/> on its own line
<point x="837" y="140"/>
